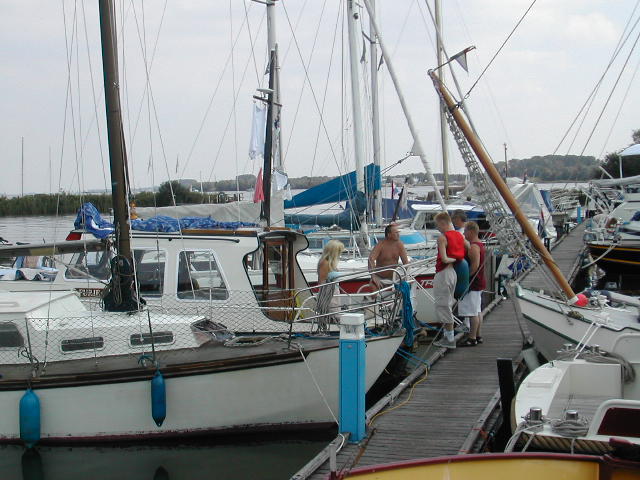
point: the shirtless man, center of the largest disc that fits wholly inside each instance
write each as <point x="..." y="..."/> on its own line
<point x="387" y="253"/>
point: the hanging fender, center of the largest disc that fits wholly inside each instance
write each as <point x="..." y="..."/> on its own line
<point x="158" y="398"/>
<point x="30" y="418"/>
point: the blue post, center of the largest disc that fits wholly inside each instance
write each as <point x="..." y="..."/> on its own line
<point x="352" y="376"/>
<point x="579" y="214"/>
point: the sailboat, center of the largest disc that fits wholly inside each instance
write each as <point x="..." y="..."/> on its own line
<point x="135" y="371"/>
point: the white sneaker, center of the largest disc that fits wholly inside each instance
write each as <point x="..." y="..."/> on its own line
<point x="443" y="342"/>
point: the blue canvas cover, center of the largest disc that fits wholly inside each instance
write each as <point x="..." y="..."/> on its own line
<point x="339" y="189"/>
<point x="89" y="218"/>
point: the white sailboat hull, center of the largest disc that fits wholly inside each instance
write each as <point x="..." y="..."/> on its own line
<point x="552" y="325"/>
<point x="269" y="397"/>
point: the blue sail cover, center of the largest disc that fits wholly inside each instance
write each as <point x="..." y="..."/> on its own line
<point x="348" y="219"/>
<point x="89" y="218"/>
<point x="339" y="189"/>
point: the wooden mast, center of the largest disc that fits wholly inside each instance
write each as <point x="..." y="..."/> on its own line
<point x="120" y="294"/>
<point x="117" y="154"/>
<point x="504" y="191"/>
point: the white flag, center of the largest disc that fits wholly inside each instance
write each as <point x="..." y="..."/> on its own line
<point x="258" y="128"/>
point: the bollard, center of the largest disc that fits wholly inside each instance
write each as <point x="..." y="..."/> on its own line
<point x="352" y="376"/>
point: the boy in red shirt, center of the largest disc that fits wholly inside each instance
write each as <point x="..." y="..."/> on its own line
<point x="451" y="248"/>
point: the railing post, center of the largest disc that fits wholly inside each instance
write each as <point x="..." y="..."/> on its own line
<point x="352" y="376"/>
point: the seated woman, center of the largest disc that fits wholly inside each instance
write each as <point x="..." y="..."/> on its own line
<point x="327" y="272"/>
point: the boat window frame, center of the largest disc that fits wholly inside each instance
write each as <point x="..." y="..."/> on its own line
<point x="220" y="271"/>
<point x="151" y="336"/>
<point x="162" y="250"/>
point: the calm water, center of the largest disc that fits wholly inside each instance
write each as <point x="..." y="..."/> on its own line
<point x="273" y="458"/>
<point x="249" y="460"/>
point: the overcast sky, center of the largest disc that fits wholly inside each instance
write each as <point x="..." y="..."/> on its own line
<point x="51" y="84"/>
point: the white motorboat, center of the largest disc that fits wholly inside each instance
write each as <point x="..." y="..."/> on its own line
<point x="578" y="403"/>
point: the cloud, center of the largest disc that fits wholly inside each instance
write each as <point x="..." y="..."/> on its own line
<point x="591" y="28"/>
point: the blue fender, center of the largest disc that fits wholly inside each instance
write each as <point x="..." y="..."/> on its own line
<point x="30" y="418"/>
<point x="158" y="398"/>
<point x="462" y="272"/>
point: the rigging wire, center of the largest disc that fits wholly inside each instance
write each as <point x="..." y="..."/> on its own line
<point x="500" y="49"/>
<point x="326" y="86"/>
<point x="313" y="93"/>
<point x="251" y="42"/>
<point x="622" y="104"/>
<point x="230" y="116"/>
<point x="304" y="80"/>
<point x="618" y="48"/>
<point x="606" y="103"/>
<point x="214" y="95"/>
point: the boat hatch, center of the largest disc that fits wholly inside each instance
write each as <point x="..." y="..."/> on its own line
<point x="78" y="344"/>
<point x="10" y="336"/>
<point x="275" y="288"/>
<point x="620" y="422"/>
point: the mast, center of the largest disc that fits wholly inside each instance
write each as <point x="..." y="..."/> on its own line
<point x="502" y="188"/>
<point x="117" y="154"/>
<point x="353" y="27"/>
<point x="417" y="145"/>
<point x="22" y="166"/>
<point x="268" y="145"/>
<point x="352" y="19"/>
<point x="275" y="104"/>
<point x="443" y="120"/>
<point x="121" y="295"/>
<point x="375" y="115"/>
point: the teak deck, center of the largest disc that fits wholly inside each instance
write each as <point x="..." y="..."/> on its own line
<point x="444" y="408"/>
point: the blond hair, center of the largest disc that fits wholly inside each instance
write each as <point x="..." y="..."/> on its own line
<point x="331" y="253"/>
<point x="472" y="227"/>
<point x="442" y="217"/>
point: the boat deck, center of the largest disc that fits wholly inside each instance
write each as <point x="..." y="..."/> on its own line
<point x="440" y="414"/>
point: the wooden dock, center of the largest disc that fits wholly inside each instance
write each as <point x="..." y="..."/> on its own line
<point x="445" y="408"/>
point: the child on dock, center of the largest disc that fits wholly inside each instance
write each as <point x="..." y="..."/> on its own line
<point x="451" y="249"/>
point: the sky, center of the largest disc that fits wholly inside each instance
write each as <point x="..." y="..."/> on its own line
<point x="189" y="70"/>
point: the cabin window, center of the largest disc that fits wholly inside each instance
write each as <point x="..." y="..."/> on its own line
<point x="141" y="339"/>
<point x="79" y="344"/>
<point x="199" y="277"/>
<point x="10" y="336"/>
<point x="150" y="265"/>
<point x="88" y="265"/>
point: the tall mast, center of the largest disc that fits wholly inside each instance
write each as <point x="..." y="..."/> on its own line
<point x="268" y="144"/>
<point x="22" y="166"/>
<point x="353" y="26"/>
<point x="417" y="145"/>
<point x="117" y="154"/>
<point x="501" y="187"/>
<point x="274" y="123"/>
<point x="274" y="71"/>
<point x="375" y="115"/>
<point x="443" y="120"/>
